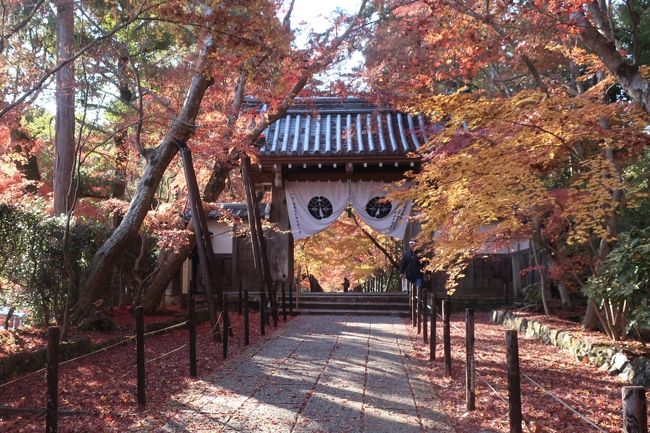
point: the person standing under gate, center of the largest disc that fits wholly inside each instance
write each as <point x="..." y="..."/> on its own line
<point x="346" y="284"/>
<point x="411" y="266"/>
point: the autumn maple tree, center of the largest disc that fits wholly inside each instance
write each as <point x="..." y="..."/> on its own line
<point x="138" y="98"/>
<point x="534" y="127"/>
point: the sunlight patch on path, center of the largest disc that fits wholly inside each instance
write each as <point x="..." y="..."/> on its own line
<point x="320" y="374"/>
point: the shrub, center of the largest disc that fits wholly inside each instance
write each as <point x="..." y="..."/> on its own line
<point x="31" y="260"/>
<point x="623" y="286"/>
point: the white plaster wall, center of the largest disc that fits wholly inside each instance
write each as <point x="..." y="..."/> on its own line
<point x="221" y="237"/>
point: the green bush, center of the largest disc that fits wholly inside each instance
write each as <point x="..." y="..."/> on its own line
<point x="532" y="294"/>
<point x="625" y="278"/>
<point x="31" y="260"/>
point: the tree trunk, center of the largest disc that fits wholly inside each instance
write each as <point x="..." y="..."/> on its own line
<point x="592" y="316"/>
<point x="65" y="92"/>
<point x="627" y="74"/>
<point x="169" y="264"/>
<point x="158" y="160"/>
<point x="538" y="254"/>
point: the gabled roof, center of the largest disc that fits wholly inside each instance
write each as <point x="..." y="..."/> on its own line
<point x="343" y="127"/>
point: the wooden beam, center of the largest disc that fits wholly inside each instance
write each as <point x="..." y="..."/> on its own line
<point x="257" y="235"/>
<point x="203" y="242"/>
<point x="323" y="175"/>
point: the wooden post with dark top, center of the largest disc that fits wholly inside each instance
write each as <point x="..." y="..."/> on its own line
<point x="425" y="316"/>
<point x="635" y="410"/>
<point x="276" y="316"/>
<point x="240" y="306"/>
<point x="52" y="399"/>
<point x="413" y="305"/>
<point x="191" y="319"/>
<point x="226" y="326"/>
<point x="432" y="334"/>
<point x="418" y="309"/>
<point x="262" y="313"/>
<point x="514" y="382"/>
<point x="470" y="374"/>
<point x="446" y="335"/>
<point x="247" y="330"/>
<point x="139" y="343"/>
<point x="284" y="302"/>
<point x="291" y="297"/>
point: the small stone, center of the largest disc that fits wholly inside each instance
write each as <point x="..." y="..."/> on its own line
<point x="619" y="361"/>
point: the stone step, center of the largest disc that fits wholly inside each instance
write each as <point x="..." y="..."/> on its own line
<point x="354" y="299"/>
<point x="351" y="312"/>
<point x="354" y="306"/>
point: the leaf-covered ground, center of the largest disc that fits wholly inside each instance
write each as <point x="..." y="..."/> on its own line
<point x="30" y="338"/>
<point x="103" y="386"/>
<point x="593" y="393"/>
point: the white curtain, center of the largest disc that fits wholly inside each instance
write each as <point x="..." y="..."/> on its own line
<point x="387" y="217"/>
<point x="313" y="206"/>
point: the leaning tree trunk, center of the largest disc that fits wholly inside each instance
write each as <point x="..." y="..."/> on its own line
<point x="169" y="264"/>
<point x="170" y="260"/>
<point x="158" y="160"/>
<point x="65" y="91"/>
<point x="627" y="74"/>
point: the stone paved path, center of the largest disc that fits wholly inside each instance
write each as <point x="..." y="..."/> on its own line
<point x="321" y="374"/>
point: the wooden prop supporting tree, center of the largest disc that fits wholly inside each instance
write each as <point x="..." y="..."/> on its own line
<point x="257" y="235"/>
<point x="203" y="242"/>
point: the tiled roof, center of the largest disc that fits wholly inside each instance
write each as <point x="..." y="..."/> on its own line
<point x="344" y="127"/>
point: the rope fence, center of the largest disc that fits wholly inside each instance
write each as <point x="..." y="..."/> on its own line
<point x="417" y="305"/>
<point x="52" y="411"/>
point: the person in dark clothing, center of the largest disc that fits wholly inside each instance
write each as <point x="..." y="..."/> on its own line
<point x="346" y="284"/>
<point x="411" y="266"/>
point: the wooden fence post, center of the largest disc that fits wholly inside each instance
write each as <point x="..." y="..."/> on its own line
<point x="470" y="379"/>
<point x="635" y="410"/>
<point x="446" y="335"/>
<point x="291" y="297"/>
<point x="191" y="318"/>
<point x="262" y="313"/>
<point x="139" y="343"/>
<point x="226" y="326"/>
<point x="246" y="319"/>
<point x="413" y="306"/>
<point x="52" y="402"/>
<point x="514" y="382"/>
<point x="275" y="309"/>
<point x="418" y="310"/>
<point x="425" y="316"/>
<point x="432" y="334"/>
<point x="240" y="306"/>
<point x="284" y="303"/>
